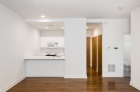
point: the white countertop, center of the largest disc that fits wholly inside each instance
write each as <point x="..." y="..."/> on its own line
<point x="44" y="57"/>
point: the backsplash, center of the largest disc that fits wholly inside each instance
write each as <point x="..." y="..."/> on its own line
<point x="52" y="51"/>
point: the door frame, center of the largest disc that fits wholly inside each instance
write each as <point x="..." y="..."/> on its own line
<point x="102" y="22"/>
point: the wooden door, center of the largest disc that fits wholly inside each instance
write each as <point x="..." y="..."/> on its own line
<point x="100" y="54"/>
<point x="88" y="51"/>
<point x="94" y="53"/>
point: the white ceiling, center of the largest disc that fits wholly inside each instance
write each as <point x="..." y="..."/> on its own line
<point x="50" y="25"/>
<point x="97" y="9"/>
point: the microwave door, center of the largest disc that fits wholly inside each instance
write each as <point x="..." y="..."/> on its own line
<point x="50" y="45"/>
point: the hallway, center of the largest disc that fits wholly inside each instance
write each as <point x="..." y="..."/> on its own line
<point x="94" y="83"/>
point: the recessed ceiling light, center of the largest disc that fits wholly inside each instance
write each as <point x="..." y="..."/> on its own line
<point x="46" y="27"/>
<point x="35" y="2"/>
<point x="63" y="27"/>
<point x="86" y="27"/>
<point x="43" y="16"/>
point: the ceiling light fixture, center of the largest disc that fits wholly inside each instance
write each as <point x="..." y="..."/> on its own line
<point x="46" y="27"/>
<point x="35" y="2"/>
<point x="43" y="16"/>
<point x="86" y="27"/>
<point x="121" y="7"/>
<point x="63" y="27"/>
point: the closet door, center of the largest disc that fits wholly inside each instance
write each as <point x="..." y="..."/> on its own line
<point x="88" y="51"/>
<point x="100" y="54"/>
<point x="94" y="53"/>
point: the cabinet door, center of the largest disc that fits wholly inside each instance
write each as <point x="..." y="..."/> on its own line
<point x="61" y="42"/>
<point x="49" y="39"/>
<point x="43" y="41"/>
<point x="54" y="39"/>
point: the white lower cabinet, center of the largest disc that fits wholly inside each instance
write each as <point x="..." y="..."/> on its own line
<point x="44" y="68"/>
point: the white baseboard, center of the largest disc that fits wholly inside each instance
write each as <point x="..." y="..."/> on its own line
<point x="112" y="76"/>
<point x="135" y="85"/>
<point x="12" y="84"/>
<point x="75" y="76"/>
<point x="44" y="76"/>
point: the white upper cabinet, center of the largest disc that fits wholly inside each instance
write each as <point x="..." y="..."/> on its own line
<point x="49" y="39"/>
<point x="43" y="41"/>
<point x="52" y="39"/>
<point x="61" y="42"/>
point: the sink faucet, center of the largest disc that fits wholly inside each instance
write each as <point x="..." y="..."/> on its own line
<point x="48" y="53"/>
<point x="56" y="53"/>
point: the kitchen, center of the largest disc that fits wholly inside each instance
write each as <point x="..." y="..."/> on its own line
<point x="50" y="61"/>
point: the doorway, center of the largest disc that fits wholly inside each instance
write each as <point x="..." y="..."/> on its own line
<point x="94" y="46"/>
<point x="127" y="55"/>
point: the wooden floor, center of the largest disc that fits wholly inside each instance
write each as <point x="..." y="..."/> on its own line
<point x="94" y="83"/>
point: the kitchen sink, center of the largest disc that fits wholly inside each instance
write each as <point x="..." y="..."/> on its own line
<point x="50" y="55"/>
<point x="56" y="56"/>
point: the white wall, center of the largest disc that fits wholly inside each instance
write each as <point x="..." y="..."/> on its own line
<point x="17" y="41"/>
<point x="75" y="48"/>
<point x="113" y="37"/>
<point x="34" y="40"/>
<point x="96" y="32"/>
<point x="113" y="30"/>
<point x="89" y="34"/>
<point x="135" y="49"/>
<point x="54" y="33"/>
